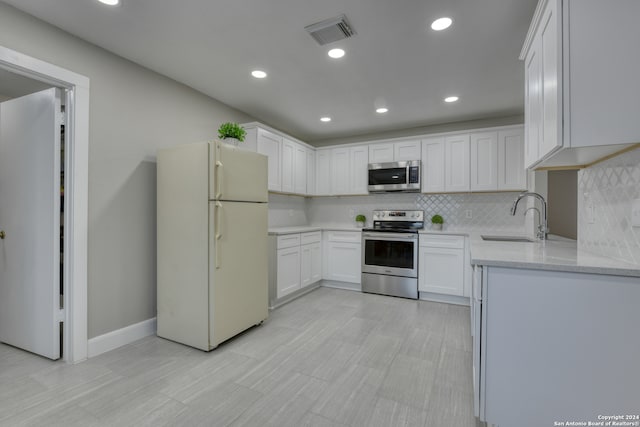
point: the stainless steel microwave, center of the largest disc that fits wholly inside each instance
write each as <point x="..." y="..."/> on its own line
<point x="394" y="177"/>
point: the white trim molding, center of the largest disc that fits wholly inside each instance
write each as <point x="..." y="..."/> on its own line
<point x="118" y="338"/>
<point x="76" y="191"/>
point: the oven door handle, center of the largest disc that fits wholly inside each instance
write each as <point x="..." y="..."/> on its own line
<point x="390" y="236"/>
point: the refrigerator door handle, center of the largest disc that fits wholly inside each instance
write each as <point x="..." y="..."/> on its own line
<point x="219" y="176"/>
<point x="218" y="214"/>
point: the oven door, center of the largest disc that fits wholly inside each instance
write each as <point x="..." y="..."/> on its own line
<point x="392" y="254"/>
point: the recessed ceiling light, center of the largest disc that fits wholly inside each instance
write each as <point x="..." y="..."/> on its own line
<point x="451" y="99"/>
<point x="336" y="53"/>
<point x="110" y="2"/>
<point x="382" y="110"/>
<point x="325" y="119"/>
<point x="441" y="24"/>
<point x="258" y="74"/>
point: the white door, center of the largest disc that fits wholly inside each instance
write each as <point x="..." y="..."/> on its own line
<point x="433" y="165"/>
<point x="30" y="218"/>
<point x="359" y="178"/>
<point x="288" y="264"/>
<point x="511" y="172"/>
<point x="287" y="166"/>
<point x="484" y="161"/>
<point x="442" y="271"/>
<point x="381" y="153"/>
<point x="300" y="170"/>
<point x="340" y="171"/>
<point x="311" y="173"/>
<point x="406" y="150"/>
<point x="270" y="145"/>
<point x="457" y="163"/>
<point x="323" y="173"/>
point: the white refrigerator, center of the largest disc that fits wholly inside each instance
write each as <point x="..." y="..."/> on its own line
<point x="212" y="243"/>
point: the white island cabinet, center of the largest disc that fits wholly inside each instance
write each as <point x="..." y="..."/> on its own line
<point x="553" y="346"/>
<point x="581" y="81"/>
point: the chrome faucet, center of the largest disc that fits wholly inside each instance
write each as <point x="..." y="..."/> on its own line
<point x="542" y="222"/>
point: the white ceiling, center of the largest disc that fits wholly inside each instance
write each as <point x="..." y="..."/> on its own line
<point x="394" y="60"/>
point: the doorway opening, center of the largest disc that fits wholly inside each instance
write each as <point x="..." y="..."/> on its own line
<point x="26" y="73"/>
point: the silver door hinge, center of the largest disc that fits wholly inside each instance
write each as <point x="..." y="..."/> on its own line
<point x="61" y="117"/>
<point x="60" y="315"/>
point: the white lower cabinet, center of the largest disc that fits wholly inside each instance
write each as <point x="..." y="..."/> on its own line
<point x="441" y="264"/>
<point x="298" y="263"/>
<point x="288" y="271"/>
<point x="343" y="256"/>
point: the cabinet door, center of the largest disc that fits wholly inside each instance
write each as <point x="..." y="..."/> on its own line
<point x="269" y="144"/>
<point x="441" y="270"/>
<point x="456" y="163"/>
<point x="511" y="172"/>
<point x="484" y="161"/>
<point x="288" y="271"/>
<point x="287" y="166"/>
<point x="533" y="105"/>
<point x="407" y="150"/>
<point x="381" y="153"/>
<point x="316" y="262"/>
<point x="311" y="173"/>
<point x="359" y="179"/>
<point x="344" y="261"/>
<point x="433" y="165"/>
<point x="340" y="171"/>
<point x="306" y="254"/>
<point x="551" y="80"/>
<point x="323" y="172"/>
<point x="300" y="170"/>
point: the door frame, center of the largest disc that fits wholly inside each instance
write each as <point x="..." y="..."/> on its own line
<point x="75" y="339"/>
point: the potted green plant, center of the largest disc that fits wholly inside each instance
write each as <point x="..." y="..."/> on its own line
<point x="231" y="133"/>
<point x="361" y="219"/>
<point x="436" y="222"/>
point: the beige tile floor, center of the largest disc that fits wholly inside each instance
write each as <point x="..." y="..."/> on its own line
<point x="330" y="358"/>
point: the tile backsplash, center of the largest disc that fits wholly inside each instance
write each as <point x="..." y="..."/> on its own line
<point x="606" y="192"/>
<point x="487" y="211"/>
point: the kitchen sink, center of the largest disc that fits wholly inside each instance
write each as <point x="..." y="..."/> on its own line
<point x="508" y="239"/>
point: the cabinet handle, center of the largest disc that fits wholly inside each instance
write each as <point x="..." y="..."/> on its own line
<point x="218" y="222"/>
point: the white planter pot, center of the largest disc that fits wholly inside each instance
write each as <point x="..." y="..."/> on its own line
<point x="437" y="227"/>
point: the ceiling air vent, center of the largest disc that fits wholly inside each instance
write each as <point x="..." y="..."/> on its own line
<point x="330" y="30"/>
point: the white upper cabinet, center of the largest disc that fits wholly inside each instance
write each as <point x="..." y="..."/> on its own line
<point x="323" y="172"/>
<point x="456" y="156"/>
<point x="300" y="169"/>
<point x="512" y="174"/>
<point x="581" y="81"/>
<point x="288" y="159"/>
<point x="340" y="171"/>
<point x="359" y="167"/>
<point x="270" y="144"/>
<point x="288" y="165"/>
<point x="484" y="161"/>
<point x="311" y="172"/>
<point x="381" y="153"/>
<point x="433" y="165"/>
<point x="407" y="150"/>
<point x="395" y="151"/>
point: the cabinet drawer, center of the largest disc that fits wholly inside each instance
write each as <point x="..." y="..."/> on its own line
<point x="344" y="236"/>
<point x="313" y="237"/>
<point x="442" y="241"/>
<point x="288" y="241"/>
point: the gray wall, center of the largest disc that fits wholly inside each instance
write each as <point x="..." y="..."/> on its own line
<point x="133" y="113"/>
<point x="562" y="190"/>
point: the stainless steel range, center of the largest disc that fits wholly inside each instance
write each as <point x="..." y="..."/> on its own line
<point x="390" y="253"/>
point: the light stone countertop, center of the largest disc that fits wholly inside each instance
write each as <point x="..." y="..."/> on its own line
<point x="556" y="254"/>
<point x="278" y="231"/>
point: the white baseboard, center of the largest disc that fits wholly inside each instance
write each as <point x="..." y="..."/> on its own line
<point x="342" y="285"/>
<point x="118" y="338"/>
<point x="447" y="299"/>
